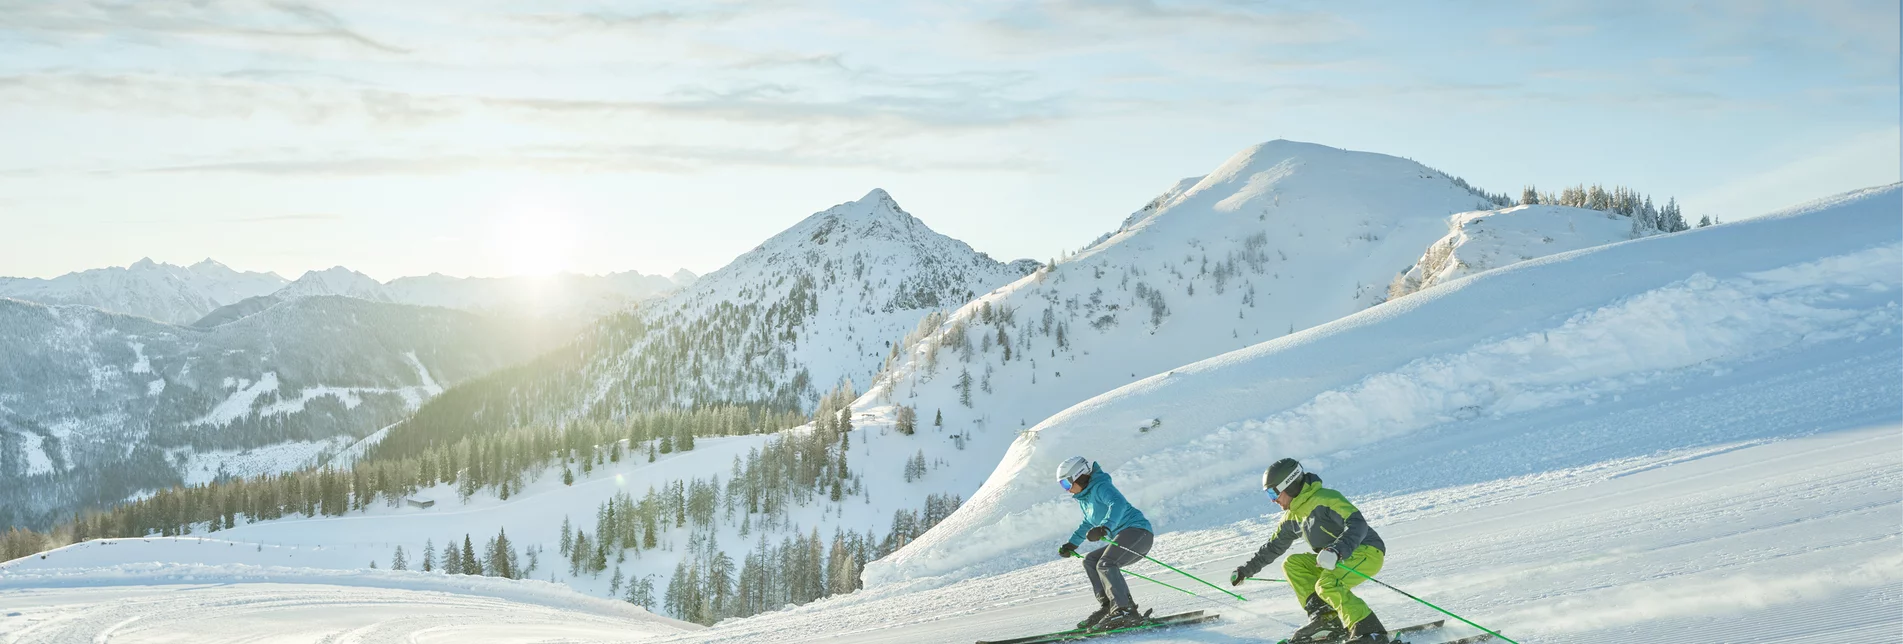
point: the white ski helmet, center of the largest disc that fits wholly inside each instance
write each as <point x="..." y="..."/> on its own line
<point x="1071" y="469"/>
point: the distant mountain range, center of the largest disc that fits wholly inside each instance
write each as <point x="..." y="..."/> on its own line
<point x="97" y="406"/>
<point x="163" y="292"/>
<point x="203" y="294"/>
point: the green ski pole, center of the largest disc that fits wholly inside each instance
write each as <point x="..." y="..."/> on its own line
<point x="1425" y="602"/>
<point x="1140" y="576"/>
<point x="1281" y="581"/>
<point x="1179" y="571"/>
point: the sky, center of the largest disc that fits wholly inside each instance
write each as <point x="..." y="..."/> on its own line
<point x="488" y="138"/>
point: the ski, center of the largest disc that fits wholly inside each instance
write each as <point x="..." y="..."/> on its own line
<point x="1338" y="637"/>
<point x="1166" y="621"/>
<point x="1472" y="640"/>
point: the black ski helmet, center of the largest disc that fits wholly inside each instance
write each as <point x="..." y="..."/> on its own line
<point x="1282" y="476"/>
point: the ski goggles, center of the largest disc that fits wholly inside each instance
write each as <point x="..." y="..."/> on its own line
<point x="1064" y="483"/>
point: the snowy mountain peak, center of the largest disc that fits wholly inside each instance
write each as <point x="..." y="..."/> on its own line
<point x="147" y="288"/>
<point x="816" y="304"/>
<point x="876" y="215"/>
<point x="683" y="277"/>
<point x="1280" y="237"/>
<point x="336" y="280"/>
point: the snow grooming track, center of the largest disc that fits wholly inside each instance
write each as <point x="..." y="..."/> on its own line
<point x="213" y="604"/>
<point x="1688" y="551"/>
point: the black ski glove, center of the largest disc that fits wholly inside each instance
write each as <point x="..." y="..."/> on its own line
<point x="1235" y="578"/>
<point x="1097" y="533"/>
<point x="1065" y="551"/>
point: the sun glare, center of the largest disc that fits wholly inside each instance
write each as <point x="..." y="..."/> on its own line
<point x="535" y="243"/>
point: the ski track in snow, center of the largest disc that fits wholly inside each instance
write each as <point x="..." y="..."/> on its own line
<point x="1692" y="550"/>
<point x="269" y="612"/>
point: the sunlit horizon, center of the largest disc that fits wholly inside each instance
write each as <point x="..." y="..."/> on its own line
<point x="392" y="139"/>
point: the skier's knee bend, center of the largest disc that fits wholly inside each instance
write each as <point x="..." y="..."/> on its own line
<point x="1298" y="564"/>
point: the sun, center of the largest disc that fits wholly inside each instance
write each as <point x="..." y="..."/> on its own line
<point x="535" y="243"/>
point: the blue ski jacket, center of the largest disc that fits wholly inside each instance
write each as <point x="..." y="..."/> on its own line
<point x="1104" y="506"/>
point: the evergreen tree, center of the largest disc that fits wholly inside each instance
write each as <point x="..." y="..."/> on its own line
<point x="429" y="555"/>
<point x="398" y="561"/>
<point x="938" y="418"/>
<point x="469" y="563"/>
<point x="641" y="592"/>
<point x="578" y="555"/>
<point x="567" y="538"/>
<point x="502" y="557"/>
<point x="452" y="559"/>
<point x="907" y="421"/>
<point x="964" y="387"/>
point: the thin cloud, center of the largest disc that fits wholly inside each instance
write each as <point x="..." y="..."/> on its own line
<point x="604" y="159"/>
<point x="267" y="219"/>
<point x="932" y="101"/>
<point x="617" y="21"/>
<point x="785" y="59"/>
<point x="1057" y="26"/>
<point x="272" y="23"/>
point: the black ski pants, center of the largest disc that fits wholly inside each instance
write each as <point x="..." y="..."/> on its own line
<point x="1105" y="565"/>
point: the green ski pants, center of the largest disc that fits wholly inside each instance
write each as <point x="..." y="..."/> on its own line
<point x="1334" y="585"/>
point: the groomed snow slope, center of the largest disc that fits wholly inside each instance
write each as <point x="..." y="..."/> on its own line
<point x="85" y="593"/>
<point x="1789" y="540"/>
<point x="1570" y="331"/>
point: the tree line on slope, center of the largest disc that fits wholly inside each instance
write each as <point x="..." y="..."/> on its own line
<point x="497" y="463"/>
<point x="1647" y="219"/>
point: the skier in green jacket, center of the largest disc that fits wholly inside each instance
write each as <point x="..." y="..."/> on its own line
<point x="1340" y="538"/>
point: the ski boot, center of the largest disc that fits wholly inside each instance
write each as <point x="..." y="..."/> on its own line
<point x="1368" y="631"/>
<point x="1323" y="624"/>
<point x="1103" y="608"/>
<point x="1121" y="618"/>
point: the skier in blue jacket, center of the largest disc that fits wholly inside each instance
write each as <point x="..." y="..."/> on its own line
<point x="1106" y="513"/>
